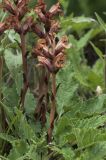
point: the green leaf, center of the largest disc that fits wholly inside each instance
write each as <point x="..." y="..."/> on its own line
<point x="19" y="149"/>
<point x="7" y="137"/>
<point x="83" y="41"/>
<point x="102" y="23"/>
<point x="97" y="51"/>
<point x="66" y="152"/>
<point x="30" y="103"/>
<point x="13" y="61"/>
<point x="66" y="89"/>
<point x="77" y="23"/>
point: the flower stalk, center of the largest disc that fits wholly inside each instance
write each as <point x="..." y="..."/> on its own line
<point x="49" y="52"/>
<point x="53" y="108"/>
<point x="25" y="71"/>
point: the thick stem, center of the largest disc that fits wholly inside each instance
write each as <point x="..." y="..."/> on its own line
<point x="25" y="71"/>
<point x="53" y="107"/>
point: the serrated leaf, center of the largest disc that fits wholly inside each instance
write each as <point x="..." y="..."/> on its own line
<point x="13" y="61"/>
<point x="7" y="137"/>
<point x="30" y="103"/>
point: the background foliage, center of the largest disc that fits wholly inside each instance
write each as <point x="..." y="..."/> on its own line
<point x="80" y="126"/>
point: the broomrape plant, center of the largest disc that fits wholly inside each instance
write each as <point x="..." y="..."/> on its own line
<point x="49" y="51"/>
<point x="52" y="103"/>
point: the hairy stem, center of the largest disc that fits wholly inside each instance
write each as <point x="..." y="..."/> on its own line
<point x="53" y="107"/>
<point x="25" y="71"/>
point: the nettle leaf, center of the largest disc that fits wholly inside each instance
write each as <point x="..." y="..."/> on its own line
<point x="99" y="149"/>
<point x="88" y="137"/>
<point x="7" y="138"/>
<point x="93" y="122"/>
<point x="19" y="149"/>
<point x="8" y="111"/>
<point x="95" y="152"/>
<point x="10" y="95"/>
<point x="63" y="126"/>
<point x="14" y="64"/>
<point x="13" y="36"/>
<point x="67" y="88"/>
<point x="22" y="126"/>
<point x="94" y="105"/>
<point x="30" y="103"/>
<point x="98" y="67"/>
<point x="13" y="61"/>
<point x="25" y="130"/>
<point x="80" y="116"/>
<point x="94" y="80"/>
<point x="84" y="108"/>
<point x="65" y="152"/>
<point x="10" y="40"/>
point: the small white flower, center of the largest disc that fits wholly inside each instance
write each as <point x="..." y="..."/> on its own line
<point x="99" y="90"/>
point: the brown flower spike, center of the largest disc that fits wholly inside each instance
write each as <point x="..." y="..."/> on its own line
<point x="49" y="50"/>
<point x="17" y="11"/>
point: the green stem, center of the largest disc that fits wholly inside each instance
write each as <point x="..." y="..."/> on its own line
<point x="105" y="72"/>
<point x="105" y="66"/>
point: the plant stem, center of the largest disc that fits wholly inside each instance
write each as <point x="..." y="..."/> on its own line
<point x="25" y="71"/>
<point x="1" y="69"/>
<point x="42" y="98"/>
<point x="53" y="107"/>
<point x="105" y="66"/>
<point x="2" y="113"/>
<point x="105" y="72"/>
<point x="3" y="122"/>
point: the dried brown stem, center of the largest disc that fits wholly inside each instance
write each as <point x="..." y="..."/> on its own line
<point x="53" y="107"/>
<point x="3" y="117"/>
<point x="25" y="71"/>
<point x="1" y="69"/>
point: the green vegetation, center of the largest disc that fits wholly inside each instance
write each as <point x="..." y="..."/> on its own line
<point x="76" y="127"/>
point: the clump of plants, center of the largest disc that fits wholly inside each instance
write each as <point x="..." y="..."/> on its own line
<point x="48" y="51"/>
<point x="50" y="105"/>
